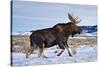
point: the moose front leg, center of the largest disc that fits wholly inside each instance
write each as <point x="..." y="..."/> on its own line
<point x="68" y="49"/>
<point x="67" y="46"/>
<point x="64" y="46"/>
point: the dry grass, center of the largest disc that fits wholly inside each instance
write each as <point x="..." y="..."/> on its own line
<point x="24" y="42"/>
<point x="87" y="41"/>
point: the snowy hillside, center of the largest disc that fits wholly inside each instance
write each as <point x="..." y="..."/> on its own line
<point x="93" y="34"/>
<point x="85" y="53"/>
<point x="15" y="33"/>
<point x="84" y="34"/>
<point x="87" y="31"/>
<point x="21" y="33"/>
<point x="26" y="33"/>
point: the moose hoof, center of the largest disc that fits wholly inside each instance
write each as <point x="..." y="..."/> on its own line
<point x="27" y="57"/>
<point x="43" y="56"/>
<point x="70" y="55"/>
<point x="56" y="52"/>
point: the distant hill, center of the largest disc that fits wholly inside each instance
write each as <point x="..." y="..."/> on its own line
<point x="89" y="29"/>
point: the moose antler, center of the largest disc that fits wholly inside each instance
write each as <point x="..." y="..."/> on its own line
<point x="73" y="19"/>
<point x="76" y="17"/>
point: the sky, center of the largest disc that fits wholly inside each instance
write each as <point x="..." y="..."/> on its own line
<point x="30" y="15"/>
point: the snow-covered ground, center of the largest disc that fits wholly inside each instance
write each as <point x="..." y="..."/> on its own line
<point x="85" y="53"/>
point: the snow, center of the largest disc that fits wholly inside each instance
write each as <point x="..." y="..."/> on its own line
<point x="84" y="53"/>
<point x="15" y="33"/>
<point x="22" y="33"/>
<point x="27" y="33"/>
<point x="91" y="37"/>
<point x="94" y="34"/>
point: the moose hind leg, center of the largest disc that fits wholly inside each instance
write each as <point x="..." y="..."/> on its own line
<point x="60" y="52"/>
<point x="29" y="52"/>
<point x="61" y="46"/>
<point x="41" y="52"/>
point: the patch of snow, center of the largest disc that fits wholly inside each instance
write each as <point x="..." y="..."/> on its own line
<point x="94" y="33"/>
<point x="84" y="34"/>
<point x="27" y="33"/>
<point x="86" y="37"/>
<point x="78" y="37"/>
<point x="15" y="33"/>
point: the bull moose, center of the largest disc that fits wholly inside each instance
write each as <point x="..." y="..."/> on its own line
<point x="56" y="35"/>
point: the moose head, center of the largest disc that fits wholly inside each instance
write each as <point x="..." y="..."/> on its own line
<point x="74" y="28"/>
<point x="70" y="28"/>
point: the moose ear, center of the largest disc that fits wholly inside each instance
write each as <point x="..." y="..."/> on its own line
<point x="70" y="17"/>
